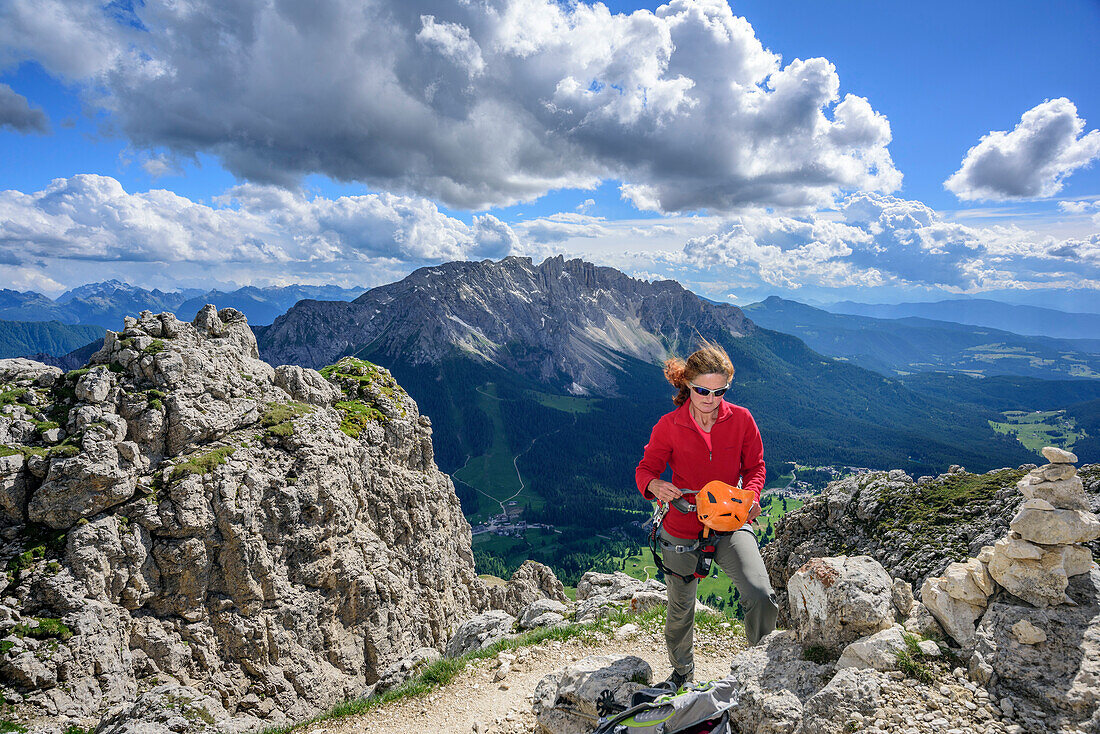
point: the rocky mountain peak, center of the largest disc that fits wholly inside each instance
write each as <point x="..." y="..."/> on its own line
<point x="569" y="323"/>
<point x="180" y="512"/>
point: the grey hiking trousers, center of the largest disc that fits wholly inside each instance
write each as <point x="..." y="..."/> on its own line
<point x="738" y="555"/>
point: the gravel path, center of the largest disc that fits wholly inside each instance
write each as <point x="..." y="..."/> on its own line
<point x="474" y="698"/>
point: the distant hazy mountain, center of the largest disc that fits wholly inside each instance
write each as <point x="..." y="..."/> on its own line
<point x="264" y="305"/>
<point x="1031" y="320"/>
<point x="20" y="338"/>
<point x="72" y="360"/>
<point x="31" y="306"/>
<point x="906" y="345"/>
<point x="105" y="304"/>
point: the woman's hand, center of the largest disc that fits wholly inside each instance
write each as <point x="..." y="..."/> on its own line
<point x="754" y="511"/>
<point x="664" y="491"/>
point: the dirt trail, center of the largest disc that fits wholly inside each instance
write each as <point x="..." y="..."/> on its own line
<point x="499" y="707"/>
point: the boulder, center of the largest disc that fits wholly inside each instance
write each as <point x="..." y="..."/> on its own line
<point x="571" y="700"/>
<point x="13" y="489"/>
<point x="879" y="651"/>
<point x="1065" y="494"/>
<point x="968" y="581"/>
<point x="1027" y="634"/>
<point x="480" y="632"/>
<point x="404" y="669"/>
<point x="834" y="601"/>
<point x="595" y="608"/>
<point x="1055" y="527"/>
<point x="530" y="582"/>
<point x="901" y="593"/>
<point x="957" y="617"/>
<point x="770" y="680"/>
<point x="614" y="586"/>
<point x="1052" y="473"/>
<point x="306" y="385"/>
<point x="1056" y="455"/>
<point x="171" y="708"/>
<point x="28" y="371"/>
<point x="922" y="622"/>
<point x="541" y="613"/>
<point x="643" y="600"/>
<point x="1040" y="582"/>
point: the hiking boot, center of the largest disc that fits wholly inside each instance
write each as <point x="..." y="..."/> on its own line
<point x="678" y="680"/>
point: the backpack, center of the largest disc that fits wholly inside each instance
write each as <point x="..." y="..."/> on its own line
<point x="703" y="708"/>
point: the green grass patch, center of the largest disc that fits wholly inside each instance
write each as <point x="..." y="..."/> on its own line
<point x="924" y="511"/>
<point x="63" y="450"/>
<point x="911" y="661"/>
<point x="156" y="346"/>
<point x="493" y="474"/>
<point x="276" y="413"/>
<point x="48" y="628"/>
<point x="10" y="726"/>
<point x="202" y="464"/>
<point x="354" y="374"/>
<point x="7" y="397"/>
<point x="1039" y="428"/>
<point x="278" y="418"/>
<point x="356" y="415"/>
<point x="564" y="403"/>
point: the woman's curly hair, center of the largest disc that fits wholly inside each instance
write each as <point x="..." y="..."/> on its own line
<point x="708" y="359"/>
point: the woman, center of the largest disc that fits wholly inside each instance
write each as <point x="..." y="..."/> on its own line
<point x="705" y="438"/>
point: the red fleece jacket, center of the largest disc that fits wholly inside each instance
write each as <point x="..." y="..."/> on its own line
<point x="737" y="453"/>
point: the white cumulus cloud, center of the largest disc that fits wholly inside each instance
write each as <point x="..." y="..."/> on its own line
<point x="475" y="104"/>
<point x="882" y="240"/>
<point x="92" y="218"/>
<point x="1032" y="160"/>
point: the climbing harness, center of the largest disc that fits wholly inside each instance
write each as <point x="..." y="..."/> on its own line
<point x="721" y="507"/>
<point x="705" y="545"/>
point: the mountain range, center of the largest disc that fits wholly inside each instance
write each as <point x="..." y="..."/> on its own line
<point x="105" y="304"/>
<point x="911" y="344"/>
<point x="1018" y="319"/>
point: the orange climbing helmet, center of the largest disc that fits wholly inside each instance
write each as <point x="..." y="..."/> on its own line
<point x="723" y="507"/>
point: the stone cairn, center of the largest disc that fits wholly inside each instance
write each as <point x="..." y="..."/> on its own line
<point x="1034" y="562"/>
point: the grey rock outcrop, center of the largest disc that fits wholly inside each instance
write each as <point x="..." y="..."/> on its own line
<point x="1057" y="676"/>
<point x="772" y="679"/>
<point x="600" y="594"/>
<point x="174" y="709"/>
<point x="223" y="524"/>
<point x="480" y="632"/>
<point x="568" y="700"/>
<point x="860" y="514"/>
<point x="835" y="601"/>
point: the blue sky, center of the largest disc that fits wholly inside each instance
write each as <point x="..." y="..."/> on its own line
<point x="524" y="127"/>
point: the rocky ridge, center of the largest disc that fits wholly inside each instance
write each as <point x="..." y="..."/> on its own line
<point x="562" y="321"/>
<point x="179" y="513"/>
<point x="914" y="528"/>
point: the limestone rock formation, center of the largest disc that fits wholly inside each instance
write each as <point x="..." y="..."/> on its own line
<point x="856" y="592"/>
<point x="887" y="516"/>
<point x="572" y="699"/>
<point x="179" y="511"/>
